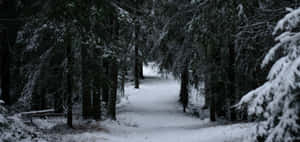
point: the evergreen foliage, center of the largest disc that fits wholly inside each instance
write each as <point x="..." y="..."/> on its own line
<point x="76" y="56"/>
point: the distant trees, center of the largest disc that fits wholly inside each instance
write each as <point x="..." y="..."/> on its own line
<point x="220" y="42"/>
<point x="80" y="52"/>
<point x="75" y="54"/>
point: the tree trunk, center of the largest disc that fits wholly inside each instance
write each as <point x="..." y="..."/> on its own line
<point x="184" y="96"/>
<point x="231" y="68"/>
<point x="212" y="107"/>
<point x="5" y="82"/>
<point x="206" y="79"/>
<point x="206" y="90"/>
<point x="136" y="51"/>
<point x="97" y="102"/>
<point x="69" y="81"/>
<point x="86" y="93"/>
<point x="105" y="85"/>
<point x="123" y="79"/>
<point x="141" y="71"/>
<point x="231" y="87"/>
<point x="113" y="94"/>
<point x="136" y="64"/>
<point x="212" y="80"/>
<point x="8" y="34"/>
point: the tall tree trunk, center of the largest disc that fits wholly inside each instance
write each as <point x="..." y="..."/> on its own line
<point x="211" y="80"/>
<point x="231" y="75"/>
<point x="69" y="80"/>
<point x="5" y="82"/>
<point x="97" y="102"/>
<point x="231" y="68"/>
<point x="136" y="63"/>
<point x="8" y="34"/>
<point x="136" y="50"/>
<point x="206" y="81"/>
<point x="184" y="94"/>
<point x="141" y="71"/>
<point x="212" y="107"/>
<point x="85" y="85"/>
<point x="113" y="94"/>
<point x="213" y="70"/>
<point x="105" y="85"/>
<point x="123" y="79"/>
<point x="206" y="97"/>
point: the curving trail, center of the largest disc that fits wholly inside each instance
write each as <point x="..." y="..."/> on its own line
<point x="152" y="114"/>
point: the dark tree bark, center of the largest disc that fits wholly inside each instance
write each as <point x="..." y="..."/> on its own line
<point x="141" y="71"/>
<point x="69" y="81"/>
<point x="212" y="72"/>
<point x="231" y="65"/>
<point x="136" y="62"/>
<point x="5" y="82"/>
<point x="184" y="94"/>
<point x="8" y="34"/>
<point x="206" y="91"/>
<point x="212" y="107"/>
<point x="114" y="70"/>
<point x="231" y="85"/>
<point x="136" y="50"/>
<point x="113" y="94"/>
<point x="206" y="80"/>
<point x="213" y="61"/>
<point x="105" y="85"/>
<point x="123" y="79"/>
<point x="86" y="93"/>
<point x="97" y="102"/>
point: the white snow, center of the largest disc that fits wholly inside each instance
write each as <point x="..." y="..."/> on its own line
<point x="2" y="119"/>
<point x="43" y="123"/>
<point x="152" y="114"/>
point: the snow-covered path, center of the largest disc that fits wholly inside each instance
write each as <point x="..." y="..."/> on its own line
<point x="152" y="114"/>
<point x="155" y="105"/>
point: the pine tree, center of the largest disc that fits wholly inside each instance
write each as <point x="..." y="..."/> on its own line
<point x="69" y="73"/>
<point x="277" y="100"/>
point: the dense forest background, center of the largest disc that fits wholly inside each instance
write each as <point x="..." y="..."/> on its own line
<point x="76" y="56"/>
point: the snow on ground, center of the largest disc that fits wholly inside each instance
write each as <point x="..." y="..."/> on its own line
<point x="152" y="114"/>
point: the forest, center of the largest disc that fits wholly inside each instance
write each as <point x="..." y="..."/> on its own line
<point x="149" y="70"/>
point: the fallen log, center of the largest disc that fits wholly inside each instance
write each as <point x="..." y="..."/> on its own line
<point x="37" y="112"/>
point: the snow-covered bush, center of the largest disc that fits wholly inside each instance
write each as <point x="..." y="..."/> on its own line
<point x="277" y="101"/>
<point x="12" y="129"/>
